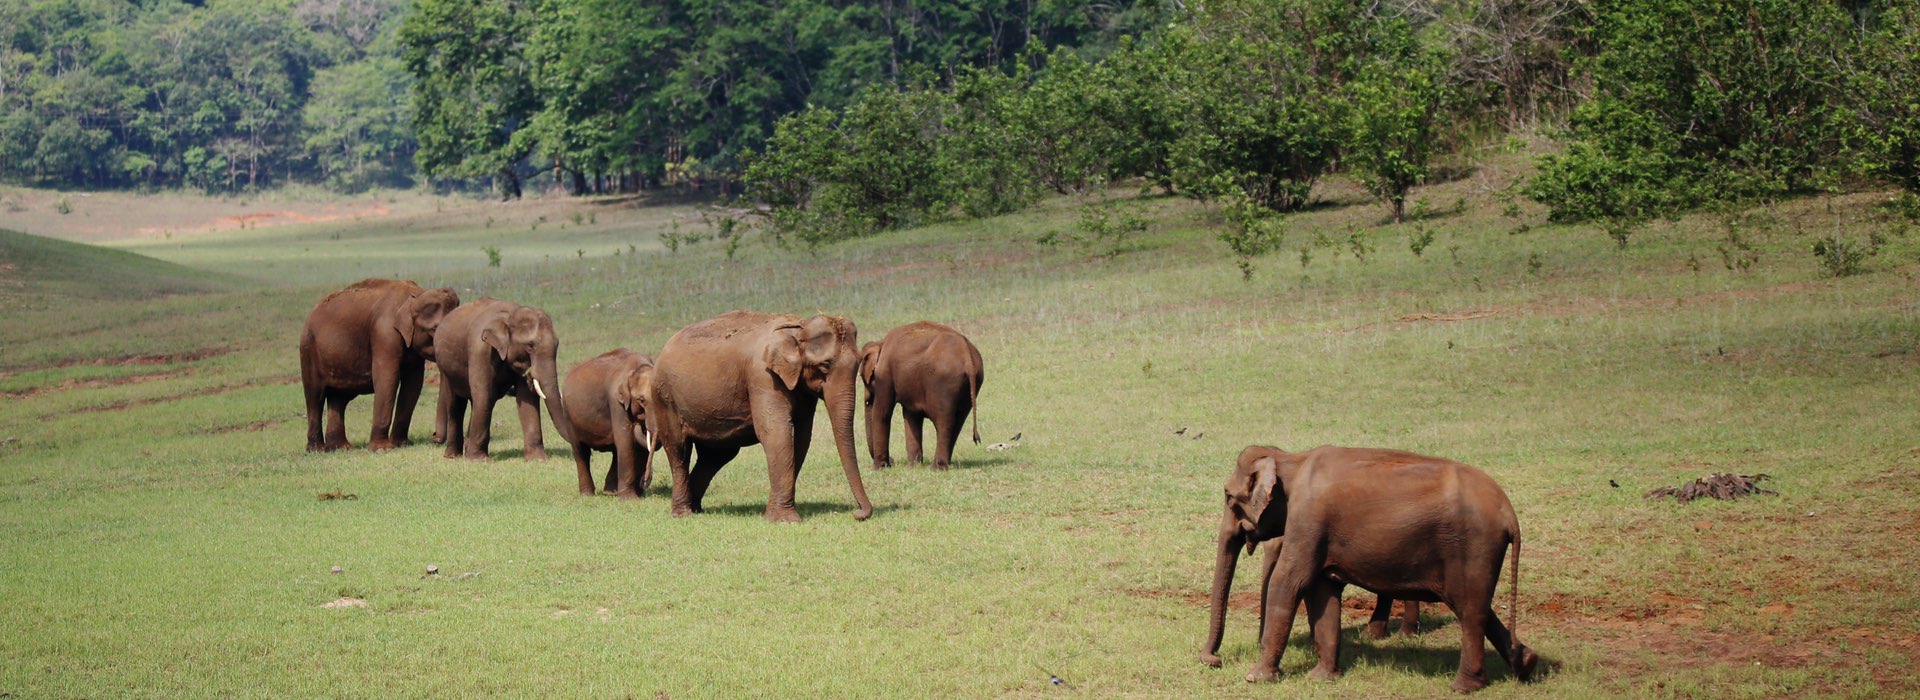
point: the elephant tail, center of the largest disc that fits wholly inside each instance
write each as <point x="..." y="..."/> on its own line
<point x="973" y="390"/>
<point x="1513" y="592"/>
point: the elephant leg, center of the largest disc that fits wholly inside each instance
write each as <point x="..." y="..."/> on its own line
<point x="1473" y="609"/>
<point x="611" y="484"/>
<point x="1323" y="616"/>
<point x="316" y="410"/>
<point x="620" y="472"/>
<point x="454" y="410"/>
<point x="802" y="436"/>
<point x="534" y="444"/>
<point x="386" y="386"/>
<point x="946" y="430"/>
<point x="440" y="416"/>
<point x="1410" y="617"/>
<point x="337" y="421"/>
<point x="711" y="459"/>
<point x="915" y="421"/>
<point x="1292" y="574"/>
<point x="480" y="427"/>
<point x="1267" y="561"/>
<point x="412" y="377"/>
<point x="583" y="470"/>
<point x="880" y="427"/>
<point x="676" y="451"/>
<point x="776" y="424"/>
<point x="1518" y="657"/>
<point x="1377" y="625"/>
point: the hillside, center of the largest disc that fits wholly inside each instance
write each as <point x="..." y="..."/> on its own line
<point x="165" y="532"/>
<point x="38" y="270"/>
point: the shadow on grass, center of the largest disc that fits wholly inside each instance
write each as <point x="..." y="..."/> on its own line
<point x="1438" y="662"/>
<point x="808" y="509"/>
<point x="991" y="460"/>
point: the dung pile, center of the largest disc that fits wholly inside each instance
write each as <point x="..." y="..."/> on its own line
<point x="1725" y="487"/>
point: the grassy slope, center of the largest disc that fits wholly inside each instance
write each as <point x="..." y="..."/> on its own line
<point x="165" y="539"/>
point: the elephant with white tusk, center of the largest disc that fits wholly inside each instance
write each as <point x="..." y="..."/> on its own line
<point x="488" y="349"/>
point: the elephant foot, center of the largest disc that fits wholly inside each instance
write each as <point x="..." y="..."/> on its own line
<point x="1526" y="662"/>
<point x="882" y="464"/>
<point x="1377" y="630"/>
<point x="1323" y="674"/>
<point x="586" y="490"/>
<point x="681" y="511"/>
<point x="1210" y="659"/>
<point x="478" y="457"/>
<point x="314" y="446"/>
<point x="535" y="454"/>
<point x="1263" y="675"/>
<point x="1469" y="682"/>
<point x="939" y="466"/>
<point x="627" y="495"/>
<point x="1411" y="629"/>
<point x="437" y="438"/>
<point x="776" y="514"/>
<point x="332" y="446"/>
<point x="380" y="445"/>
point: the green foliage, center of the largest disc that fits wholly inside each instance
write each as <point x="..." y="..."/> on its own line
<point x="1842" y="256"/>
<point x="472" y="92"/>
<point x="1419" y="239"/>
<point x="1252" y="230"/>
<point x="493" y="255"/>
<point x="1882" y="116"/>
<point x="1697" y="103"/>
<point x="1103" y="227"/>
<point x="874" y="166"/>
<point x="1395" y="125"/>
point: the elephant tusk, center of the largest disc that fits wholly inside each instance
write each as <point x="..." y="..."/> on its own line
<point x="649" y="443"/>
<point x="536" y="389"/>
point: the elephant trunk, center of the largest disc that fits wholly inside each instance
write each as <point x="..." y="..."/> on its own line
<point x="546" y="383"/>
<point x="1231" y="540"/>
<point x="839" y="397"/>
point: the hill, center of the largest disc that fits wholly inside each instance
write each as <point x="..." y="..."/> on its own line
<point x="36" y="269"/>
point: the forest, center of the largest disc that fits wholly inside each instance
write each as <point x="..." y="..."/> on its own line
<point x="847" y="118"/>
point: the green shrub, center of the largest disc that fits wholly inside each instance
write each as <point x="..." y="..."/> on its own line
<point x="493" y="255"/>
<point x="1394" y="127"/>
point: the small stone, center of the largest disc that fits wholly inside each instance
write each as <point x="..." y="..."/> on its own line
<point x="1703" y="525"/>
<point x="338" y="569"/>
<point x="433" y="570"/>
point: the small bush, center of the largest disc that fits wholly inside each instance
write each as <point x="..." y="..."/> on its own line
<point x="1844" y="257"/>
<point x="1418" y="239"/>
<point x="62" y="206"/>
<point x="493" y="255"/>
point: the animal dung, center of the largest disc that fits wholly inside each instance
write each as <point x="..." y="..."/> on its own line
<point x="337" y="569"/>
<point x="433" y="570"/>
<point x="1724" y="487"/>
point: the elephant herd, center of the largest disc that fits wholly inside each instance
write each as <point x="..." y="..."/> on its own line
<point x="1403" y="525"/>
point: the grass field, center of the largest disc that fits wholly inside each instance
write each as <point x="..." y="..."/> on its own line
<point x="164" y="535"/>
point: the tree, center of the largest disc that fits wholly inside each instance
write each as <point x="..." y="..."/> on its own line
<point x="472" y="92"/>
<point x="1395" y="113"/>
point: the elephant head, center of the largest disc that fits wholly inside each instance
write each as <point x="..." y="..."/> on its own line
<point x="1255" y="511"/>
<point x="632" y="392"/>
<point x="524" y="340"/>
<point x="821" y="357"/>
<point x="420" y="316"/>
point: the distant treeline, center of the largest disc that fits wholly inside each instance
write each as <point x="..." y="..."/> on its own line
<point x="852" y="116"/>
<point x="1658" y="106"/>
<point x="228" y="95"/>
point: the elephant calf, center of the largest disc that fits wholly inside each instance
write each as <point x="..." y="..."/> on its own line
<point x="1396" y="523"/>
<point x="606" y="403"/>
<point x="929" y="371"/>
<point x="374" y="337"/>
<point x="487" y="350"/>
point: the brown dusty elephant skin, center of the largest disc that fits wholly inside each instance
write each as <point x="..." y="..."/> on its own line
<point x="605" y="399"/>
<point x="487" y="350"/>
<point x="744" y="378"/>
<point x="1396" y="523"/>
<point x="373" y="337"/>
<point x="930" y="371"/>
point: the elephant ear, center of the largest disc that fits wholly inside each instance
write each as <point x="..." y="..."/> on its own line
<point x="403" y="321"/>
<point x="623" y="395"/>
<point x="785" y="359"/>
<point x="869" y="363"/>
<point x="825" y="337"/>
<point x="496" y="336"/>
<point x="1262" y="490"/>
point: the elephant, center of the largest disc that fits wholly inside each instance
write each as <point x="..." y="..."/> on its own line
<point x="606" y="404"/>
<point x="930" y="371"/>
<point x="374" y="337"/>
<point x="1396" y="523"/>
<point x="1376" y="625"/>
<point x="743" y="378"/>
<point x="488" y="349"/>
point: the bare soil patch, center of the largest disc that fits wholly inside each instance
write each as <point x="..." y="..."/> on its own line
<point x="72" y="384"/>
<point x="209" y="391"/>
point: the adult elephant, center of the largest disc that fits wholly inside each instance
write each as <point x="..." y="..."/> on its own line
<point x="930" y="371"/>
<point x="1396" y="523"/>
<point x="487" y="350"/>
<point x="374" y="337"/>
<point x="743" y="378"/>
<point x="606" y="404"/>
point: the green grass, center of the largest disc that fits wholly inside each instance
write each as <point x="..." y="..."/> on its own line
<point x="164" y="538"/>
